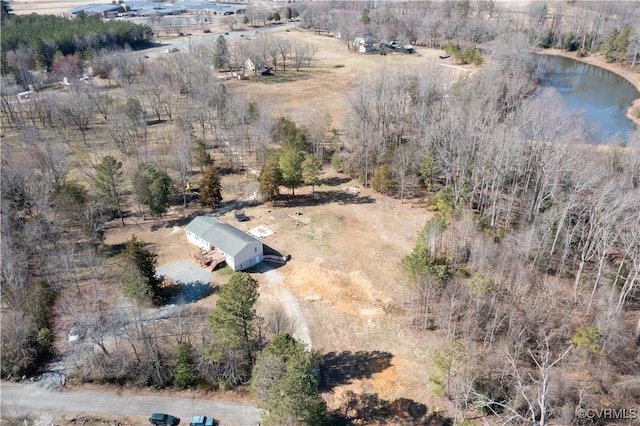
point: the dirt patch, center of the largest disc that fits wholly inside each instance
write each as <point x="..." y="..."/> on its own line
<point x="168" y="240"/>
<point x="343" y="274"/>
<point x="344" y="271"/>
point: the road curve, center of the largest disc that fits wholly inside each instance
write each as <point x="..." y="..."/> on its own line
<point x="23" y="399"/>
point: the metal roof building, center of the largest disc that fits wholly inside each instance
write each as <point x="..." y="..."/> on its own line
<point x="241" y="250"/>
<point x="105" y="10"/>
<point x="151" y="8"/>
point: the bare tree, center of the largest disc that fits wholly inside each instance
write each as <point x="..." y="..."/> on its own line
<point x="103" y="102"/>
<point x="21" y="61"/>
<point x="129" y="136"/>
<point x="534" y="391"/>
<point x="271" y="46"/>
<point x="302" y="53"/>
<point x="79" y="110"/>
<point x="183" y="155"/>
<point x="156" y="91"/>
<point x="284" y="47"/>
<point x="126" y="67"/>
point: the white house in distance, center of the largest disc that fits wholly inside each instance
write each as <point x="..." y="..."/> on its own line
<point x="241" y="250"/>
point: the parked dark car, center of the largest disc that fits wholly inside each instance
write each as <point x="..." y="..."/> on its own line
<point x="159" y="419"/>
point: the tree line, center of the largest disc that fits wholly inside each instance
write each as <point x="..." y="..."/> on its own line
<point x="588" y="27"/>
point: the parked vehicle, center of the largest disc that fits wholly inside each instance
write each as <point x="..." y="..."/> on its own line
<point x="160" y="419"/>
<point x="74" y="334"/>
<point x="202" y="421"/>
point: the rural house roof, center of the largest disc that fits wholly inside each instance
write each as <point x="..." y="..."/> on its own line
<point x="226" y="238"/>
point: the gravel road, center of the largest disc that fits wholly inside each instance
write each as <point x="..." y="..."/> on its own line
<point x="23" y="399"/>
<point x="290" y="304"/>
<point x="193" y="279"/>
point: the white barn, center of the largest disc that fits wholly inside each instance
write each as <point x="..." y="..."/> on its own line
<point x="241" y="250"/>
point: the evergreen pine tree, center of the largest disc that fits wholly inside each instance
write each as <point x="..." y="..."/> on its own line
<point x="107" y="182"/>
<point x="311" y="168"/>
<point x="185" y="373"/>
<point x="270" y="178"/>
<point x="210" y="188"/>
<point x="140" y="282"/>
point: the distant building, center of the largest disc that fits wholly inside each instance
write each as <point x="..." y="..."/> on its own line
<point x="241" y="250"/>
<point x="101" y="10"/>
<point x="141" y="8"/>
<point x="389" y="45"/>
<point x="365" y="44"/>
<point x="257" y="67"/>
<point x="407" y="48"/>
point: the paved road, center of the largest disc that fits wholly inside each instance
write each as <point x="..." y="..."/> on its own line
<point x="30" y="399"/>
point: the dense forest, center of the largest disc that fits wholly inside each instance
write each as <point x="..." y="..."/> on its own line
<point x="530" y="266"/>
<point x="34" y="41"/>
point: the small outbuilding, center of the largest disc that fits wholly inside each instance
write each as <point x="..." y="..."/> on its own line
<point x="240" y="249"/>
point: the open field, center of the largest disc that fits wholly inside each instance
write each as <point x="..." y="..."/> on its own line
<point x="343" y="270"/>
<point x="45" y="7"/>
<point x="335" y="72"/>
<point x="345" y="250"/>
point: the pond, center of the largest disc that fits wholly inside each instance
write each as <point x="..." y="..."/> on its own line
<point x="602" y="97"/>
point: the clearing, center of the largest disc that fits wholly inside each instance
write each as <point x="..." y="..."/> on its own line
<point x="342" y="288"/>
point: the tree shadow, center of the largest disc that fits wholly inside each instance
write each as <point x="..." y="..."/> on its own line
<point x="184" y="293"/>
<point x="182" y="220"/>
<point x="336" y="180"/>
<point x="338" y="368"/>
<point x="155" y="122"/>
<point x="369" y="408"/>
<point x="113" y="250"/>
<point x="288" y="76"/>
<point x="230" y="205"/>
<point x="323" y="197"/>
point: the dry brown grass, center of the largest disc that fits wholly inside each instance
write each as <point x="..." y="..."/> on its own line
<point x="334" y="73"/>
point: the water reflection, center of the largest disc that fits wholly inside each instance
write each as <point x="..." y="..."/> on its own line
<point x="600" y="95"/>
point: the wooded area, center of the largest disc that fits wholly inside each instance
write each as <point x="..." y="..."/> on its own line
<point x="530" y="266"/>
<point x="39" y="42"/>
